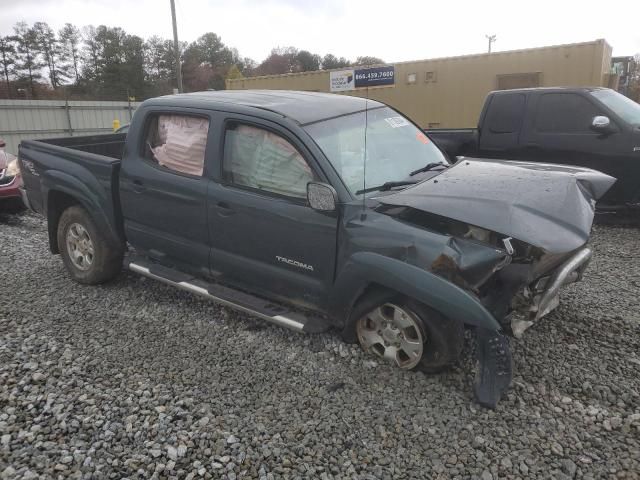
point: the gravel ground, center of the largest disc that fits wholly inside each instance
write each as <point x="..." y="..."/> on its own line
<point x="135" y="380"/>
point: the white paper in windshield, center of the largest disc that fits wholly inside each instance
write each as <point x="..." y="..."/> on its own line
<point x="396" y="122"/>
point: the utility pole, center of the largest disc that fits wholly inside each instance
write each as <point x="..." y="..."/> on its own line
<point x="176" y="46"/>
<point x="491" y="38"/>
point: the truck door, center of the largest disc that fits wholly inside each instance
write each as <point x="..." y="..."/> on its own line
<point x="501" y="125"/>
<point x="558" y="130"/>
<point x="264" y="237"/>
<point x="163" y="188"/>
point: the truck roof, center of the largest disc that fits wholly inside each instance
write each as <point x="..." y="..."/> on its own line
<point x="302" y="107"/>
<point x="548" y="89"/>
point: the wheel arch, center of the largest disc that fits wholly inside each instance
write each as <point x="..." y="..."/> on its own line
<point x="64" y="191"/>
<point x="365" y="272"/>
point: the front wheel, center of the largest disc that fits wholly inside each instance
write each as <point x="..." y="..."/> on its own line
<point x="408" y="334"/>
<point x="86" y="253"/>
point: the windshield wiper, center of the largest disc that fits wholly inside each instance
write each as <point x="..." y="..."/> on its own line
<point x="427" y="167"/>
<point x="387" y="186"/>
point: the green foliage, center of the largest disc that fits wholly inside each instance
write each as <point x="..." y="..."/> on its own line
<point x="69" y="53"/>
<point x="307" y="61"/>
<point x="330" y="61"/>
<point x="234" y="73"/>
<point x="108" y="63"/>
<point x="28" y="62"/>
<point x="7" y="57"/>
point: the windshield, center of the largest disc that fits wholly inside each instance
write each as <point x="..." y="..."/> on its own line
<point x="626" y="108"/>
<point x="395" y="147"/>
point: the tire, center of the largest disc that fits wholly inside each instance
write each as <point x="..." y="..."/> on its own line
<point x="441" y="338"/>
<point x="94" y="260"/>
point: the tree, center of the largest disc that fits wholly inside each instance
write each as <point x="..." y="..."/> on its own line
<point x="107" y="62"/>
<point x="7" y="61"/>
<point x="330" y="61"/>
<point x="28" y="63"/>
<point x="307" y="61"/>
<point x="367" y="61"/>
<point x="49" y="48"/>
<point x="91" y="53"/>
<point x="155" y="49"/>
<point x="70" y="40"/>
<point x="280" y="60"/>
<point x="244" y="64"/>
<point x="132" y="67"/>
<point x="234" y="73"/>
<point x="206" y="63"/>
<point x="210" y="49"/>
<point x="247" y="65"/>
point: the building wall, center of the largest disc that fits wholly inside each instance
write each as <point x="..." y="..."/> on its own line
<point x="32" y="119"/>
<point x="453" y="92"/>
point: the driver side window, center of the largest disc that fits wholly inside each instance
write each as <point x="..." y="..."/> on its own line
<point x="263" y="160"/>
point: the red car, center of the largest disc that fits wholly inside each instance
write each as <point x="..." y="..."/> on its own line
<point x="10" y="181"/>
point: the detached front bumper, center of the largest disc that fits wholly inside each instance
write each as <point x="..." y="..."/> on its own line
<point x="544" y="295"/>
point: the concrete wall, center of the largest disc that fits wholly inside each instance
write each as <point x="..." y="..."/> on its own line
<point x="453" y="93"/>
<point x="30" y="119"/>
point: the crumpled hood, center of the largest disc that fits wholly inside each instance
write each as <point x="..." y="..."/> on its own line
<point x="548" y="206"/>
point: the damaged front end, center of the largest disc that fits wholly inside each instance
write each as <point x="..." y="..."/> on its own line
<point x="516" y="233"/>
<point x="535" y="217"/>
<point x="517" y="282"/>
<point x="534" y="301"/>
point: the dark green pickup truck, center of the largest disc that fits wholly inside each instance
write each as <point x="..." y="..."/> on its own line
<point x="317" y="211"/>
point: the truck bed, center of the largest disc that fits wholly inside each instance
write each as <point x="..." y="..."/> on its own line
<point x="110" y="145"/>
<point x="84" y="168"/>
<point x="454" y="141"/>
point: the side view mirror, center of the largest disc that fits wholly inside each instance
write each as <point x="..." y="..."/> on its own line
<point x="601" y="123"/>
<point x="321" y="197"/>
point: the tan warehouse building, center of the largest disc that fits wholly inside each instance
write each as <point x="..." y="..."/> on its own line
<point x="450" y="92"/>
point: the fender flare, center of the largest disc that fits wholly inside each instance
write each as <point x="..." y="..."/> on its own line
<point x="87" y="195"/>
<point x="366" y="268"/>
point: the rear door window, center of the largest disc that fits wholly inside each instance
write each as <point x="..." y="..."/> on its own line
<point x="177" y="142"/>
<point x="505" y="113"/>
<point x="263" y="160"/>
<point x="564" y="113"/>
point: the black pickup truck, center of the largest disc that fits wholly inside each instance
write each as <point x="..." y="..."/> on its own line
<point x="314" y="211"/>
<point x="590" y="127"/>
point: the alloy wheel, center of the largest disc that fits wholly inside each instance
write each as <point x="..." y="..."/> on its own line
<point x="392" y="332"/>
<point x="80" y="247"/>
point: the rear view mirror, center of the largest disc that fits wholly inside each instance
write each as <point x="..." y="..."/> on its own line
<point x="601" y="123"/>
<point x="321" y="197"/>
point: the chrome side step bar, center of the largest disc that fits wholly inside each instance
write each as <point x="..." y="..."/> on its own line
<point x="229" y="297"/>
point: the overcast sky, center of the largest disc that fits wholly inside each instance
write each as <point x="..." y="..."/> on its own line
<point x="394" y="30"/>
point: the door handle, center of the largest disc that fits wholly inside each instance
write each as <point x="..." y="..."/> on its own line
<point x="138" y="186"/>
<point x="224" y="210"/>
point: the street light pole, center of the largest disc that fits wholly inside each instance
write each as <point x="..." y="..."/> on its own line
<point x="490" y="38"/>
<point x="176" y="46"/>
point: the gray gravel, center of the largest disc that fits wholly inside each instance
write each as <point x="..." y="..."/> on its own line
<point x="136" y="380"/>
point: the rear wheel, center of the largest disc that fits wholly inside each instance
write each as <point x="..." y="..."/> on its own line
<point x="407" y="334"/>
<point x="86" y="253"/>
